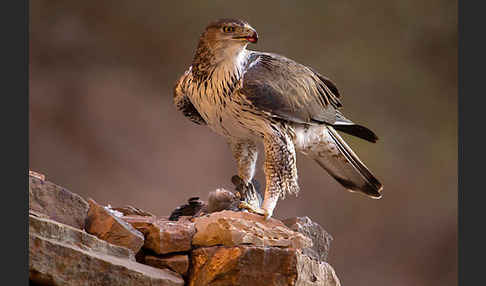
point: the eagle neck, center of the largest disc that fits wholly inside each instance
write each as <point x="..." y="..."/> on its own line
<point x="227" y="74"/>
<point x="217" y="63"/>
<point x="223" y="76"/>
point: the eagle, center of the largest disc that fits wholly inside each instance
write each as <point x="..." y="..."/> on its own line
<point x="252" y="97"/>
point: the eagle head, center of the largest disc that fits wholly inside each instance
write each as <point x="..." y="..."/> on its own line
<point x="231" y="32"/>
<point x="223" y="41"/>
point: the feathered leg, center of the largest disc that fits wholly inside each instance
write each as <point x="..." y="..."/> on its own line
<point x="280" y="171"/>
<point x="246" y="154"/>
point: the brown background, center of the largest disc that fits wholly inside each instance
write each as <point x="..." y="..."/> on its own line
<point x="102" y="122"/>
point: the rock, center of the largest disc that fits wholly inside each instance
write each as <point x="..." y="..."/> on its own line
<point x="178" y="263"/>
<point x="57" y="203"/>
<point x="312" y="272"/>
<point x="321" y="240"/>
<point x="129" y="210"/>
<point x="55" y="263"/>
<point x="62" y="255"/>
<point x="235" y="248"/>
<point x="241" y="265"/>
<point x="105" y="225"/>
<point x="251" y="265"/>
<point x="68" y="235"/>
<point x="235" y="228"/>
<point x="163" y="236"/>
<point x="140" y="255"/>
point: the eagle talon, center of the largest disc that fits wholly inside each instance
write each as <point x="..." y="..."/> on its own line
<point x="248" y="192"/>
<point x="250" y="208"/>
<point x="240" y="186"/>
<point x="238" y="195"/>
<point x="267" y="215"/>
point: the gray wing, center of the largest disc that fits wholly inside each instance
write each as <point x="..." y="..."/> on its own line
<point x="182" y="102"/>
<point x="296" y="93"/>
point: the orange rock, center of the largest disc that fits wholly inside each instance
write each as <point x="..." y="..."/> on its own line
<point x="68" y="235"/>
<point x="63" y="265"/>
<point x="251" y="265"/>
<point x="63" y="255"/>
<point x="236" y="228"/>
<point x="178" y="263"/>
<point x="163" y="236"/>
<point x="102" y="223"/>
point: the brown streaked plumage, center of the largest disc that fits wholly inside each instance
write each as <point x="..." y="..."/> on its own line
<point x="252" y="97"/>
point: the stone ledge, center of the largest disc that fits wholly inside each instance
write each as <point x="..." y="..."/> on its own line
<point x="231" y="228"/>
<point x="105" y="225"/>
<point x="216" y="248"/>
<point x="55" y="263"/>
<point x="65" y="234"/>
<point x="57" y="203"/>
<point x="252" y="265"/>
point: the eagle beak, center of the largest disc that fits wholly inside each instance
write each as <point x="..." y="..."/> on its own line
<point x="253" y="37"/>
<point x="249" y="34"/>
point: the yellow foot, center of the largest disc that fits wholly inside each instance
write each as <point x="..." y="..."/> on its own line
<point x="258" y="211"/>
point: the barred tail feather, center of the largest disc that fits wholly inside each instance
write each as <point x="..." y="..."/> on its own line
<point x="330" y="151"/>
<point x="351" y="173"/>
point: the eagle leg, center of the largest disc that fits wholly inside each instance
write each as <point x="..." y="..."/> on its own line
<point x="280" y="169"/>
<point x="245" y="152"/>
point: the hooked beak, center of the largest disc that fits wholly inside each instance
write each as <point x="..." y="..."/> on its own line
<point x="251" y="36"/>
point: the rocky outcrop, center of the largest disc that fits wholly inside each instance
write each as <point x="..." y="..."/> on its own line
<point x="56" y="202"/>
<point x="236" y="228"/>
<point x="321" y="240"/>
<point x="251" y="265"/>
<point x="72" y="242"/>
<point x="106" y="225"/>
<point x="312" y="272"/>
<point x="62" y="255"/>
<point x="163" y="236"/>
<point x="67" y="235"/>
<point x="177" y="262"/>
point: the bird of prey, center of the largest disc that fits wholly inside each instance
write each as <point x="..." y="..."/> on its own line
<point x="252" y="97"/>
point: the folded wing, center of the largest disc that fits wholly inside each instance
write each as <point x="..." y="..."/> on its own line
<point x="296" y="93"/>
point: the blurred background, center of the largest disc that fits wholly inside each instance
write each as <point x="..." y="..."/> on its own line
<point x="102" y="123"/>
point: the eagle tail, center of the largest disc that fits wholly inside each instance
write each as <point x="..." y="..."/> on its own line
<point x="358" y="131"/>
<point x="330" y="151"/>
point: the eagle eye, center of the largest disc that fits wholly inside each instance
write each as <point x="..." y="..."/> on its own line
<point x="228" y="29"/>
